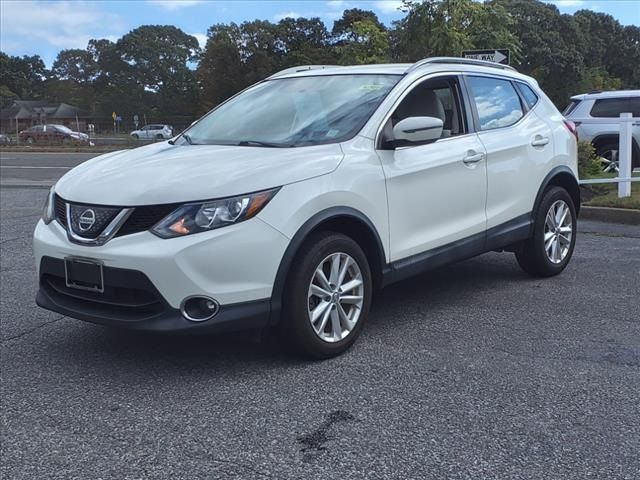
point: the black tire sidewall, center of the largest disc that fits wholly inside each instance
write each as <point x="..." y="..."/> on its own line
<point x="296" y="326"/>
<point x="545" y="265"/>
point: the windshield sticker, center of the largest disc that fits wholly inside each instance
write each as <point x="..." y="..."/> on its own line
<point x="332" y="133"/>
<point x="371" y="87"/>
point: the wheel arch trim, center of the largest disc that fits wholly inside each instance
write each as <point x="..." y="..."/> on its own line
<point x="563" y="172"/>
<point x="322" y="217"/>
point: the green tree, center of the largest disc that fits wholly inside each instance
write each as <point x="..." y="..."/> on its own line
<point x="220" y="71"/>
<point x="435" y="28"/>
<point x="21" y="77"/>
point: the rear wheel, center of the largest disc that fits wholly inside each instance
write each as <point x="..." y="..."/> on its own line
<point x="327" y="296"/>
<point x="135" y="135"/>
<point x="609" y="155"/>
<point x="29" y="140"/>
<point x="549" y="250"/>
<point x="159" y="137"/>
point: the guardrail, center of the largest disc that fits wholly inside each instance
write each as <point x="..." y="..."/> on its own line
<point x="624" y="178"/>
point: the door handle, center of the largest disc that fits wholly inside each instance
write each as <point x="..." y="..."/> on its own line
<point x="539" y="141"/>
<point x="472" y="158"/>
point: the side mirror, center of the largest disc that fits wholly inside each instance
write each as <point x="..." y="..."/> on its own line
<point x="418" y="129"/>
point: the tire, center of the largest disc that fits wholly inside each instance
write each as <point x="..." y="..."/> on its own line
<point x="533" y="256"/>
<point x="296" y="328"/>
<point x="609" y="153"/>
<point x="135" y="136"/>
<point x="159" y="137"/>
<point x="29" y="141"/>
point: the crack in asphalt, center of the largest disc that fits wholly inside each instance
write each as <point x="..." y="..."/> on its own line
<point x="314" y="443"/>
<point x="27" y="332"/>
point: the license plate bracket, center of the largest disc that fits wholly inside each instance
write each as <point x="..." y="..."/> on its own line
<point x="84" y="274"/>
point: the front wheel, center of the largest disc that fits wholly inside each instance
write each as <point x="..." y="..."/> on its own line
<point x="549" y="250"/>
<point x="327" y="296"/>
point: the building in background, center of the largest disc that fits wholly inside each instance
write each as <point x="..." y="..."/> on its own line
<point x="25" y="113"/>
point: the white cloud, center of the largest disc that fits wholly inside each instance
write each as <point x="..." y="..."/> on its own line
<point x="336" y="4"/>
<point x="173" y="5"/>
<point x="202" y="39"/>
<point x="388" y="6"/>
<point x="63" y="24"/>
<point x="280" y="16"/>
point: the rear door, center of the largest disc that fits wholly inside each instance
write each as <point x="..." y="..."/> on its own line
<point x="518" y="145"/>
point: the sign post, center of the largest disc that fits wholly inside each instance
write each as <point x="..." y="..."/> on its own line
<point x="114" y="116"/>
<point x="497" y="55"/>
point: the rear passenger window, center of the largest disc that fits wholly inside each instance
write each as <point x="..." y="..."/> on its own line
<point x="529" y="95"/>
<point x="497" y="102"/>
<point x="613" y="107"/>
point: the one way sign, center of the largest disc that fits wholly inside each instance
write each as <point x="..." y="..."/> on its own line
<point x="498" y="55"/>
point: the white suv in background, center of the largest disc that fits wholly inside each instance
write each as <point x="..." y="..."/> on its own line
<point x="292" y="203"/>
<point x="153" y="132"/>
<point x="604" y="134"/>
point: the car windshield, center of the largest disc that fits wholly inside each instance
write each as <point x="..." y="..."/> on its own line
<point x="294" y="112"/>
<point x="63" y="129"/>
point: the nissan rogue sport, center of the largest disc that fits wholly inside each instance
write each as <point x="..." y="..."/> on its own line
<point x="289" y="205"/>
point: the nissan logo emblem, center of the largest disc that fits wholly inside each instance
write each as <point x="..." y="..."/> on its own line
<point x="86" y="220"/>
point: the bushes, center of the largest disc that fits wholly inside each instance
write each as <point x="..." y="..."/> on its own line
<point x="588" y="162"/>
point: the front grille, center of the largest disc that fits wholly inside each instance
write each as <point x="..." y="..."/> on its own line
<point x="61" y="210"/>
<point x="141" y="219"/>
<point x="128" y="294"/>
<point x="102" y="216"/>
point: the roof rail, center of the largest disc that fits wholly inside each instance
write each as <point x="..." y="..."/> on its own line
<point x="461" y="61"/>
<point x="300" y="68"/>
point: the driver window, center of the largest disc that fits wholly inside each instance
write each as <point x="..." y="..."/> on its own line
<point x="438" y="98"/>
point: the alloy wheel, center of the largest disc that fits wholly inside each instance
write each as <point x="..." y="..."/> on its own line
<point x="610" y="161"/>
<point x="558" y="231"/>
<point x="335" y="297"/>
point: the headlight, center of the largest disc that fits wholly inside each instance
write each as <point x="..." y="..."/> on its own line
<point x="204" y="216"/>
<point x="49" y="212"/>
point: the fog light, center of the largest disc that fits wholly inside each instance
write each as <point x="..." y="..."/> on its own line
<point x="199" y="309"/>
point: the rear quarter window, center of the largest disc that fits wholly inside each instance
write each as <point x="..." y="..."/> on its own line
<point x="529" y="95"/>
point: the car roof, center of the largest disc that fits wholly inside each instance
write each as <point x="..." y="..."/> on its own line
<point x="608" y="94"/>
<point x="409" y="70"/>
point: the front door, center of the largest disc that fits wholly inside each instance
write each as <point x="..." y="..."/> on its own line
<point x="436" y="191"/>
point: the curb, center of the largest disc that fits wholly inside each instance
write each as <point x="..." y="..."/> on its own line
<point x="625" y="216"/>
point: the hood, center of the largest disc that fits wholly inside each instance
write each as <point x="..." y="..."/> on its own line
<point x="163" y="173"/>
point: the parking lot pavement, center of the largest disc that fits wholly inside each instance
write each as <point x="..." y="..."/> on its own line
<point x="37" y="169"/>
<point x="472" y="371"/>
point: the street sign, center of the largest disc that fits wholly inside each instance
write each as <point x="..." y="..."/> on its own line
<point x="498" y="55"/>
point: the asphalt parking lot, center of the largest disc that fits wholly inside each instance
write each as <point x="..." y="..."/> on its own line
<point x="472" y="371"/>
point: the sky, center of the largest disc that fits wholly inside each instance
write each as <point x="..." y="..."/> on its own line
<point x="44" y="27"/>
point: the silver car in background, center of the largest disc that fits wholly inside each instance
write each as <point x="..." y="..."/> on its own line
<point x="605" y="108"/>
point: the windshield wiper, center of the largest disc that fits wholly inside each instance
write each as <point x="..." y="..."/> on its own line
<point x="183" y="135"/>
<point x="257" y="143"/>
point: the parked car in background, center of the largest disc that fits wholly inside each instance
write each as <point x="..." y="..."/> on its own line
<point x="603" y="132"/>
<point x="52" y="135"/>
<point x="153" y="132"/>
<point x="290" y="203"/>
<point x="5" y="139"/>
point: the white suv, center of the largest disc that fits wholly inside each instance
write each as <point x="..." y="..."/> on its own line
<point x="601" y="110"/>
<point x="153" y="132"/>
<point x="290" y="204"/>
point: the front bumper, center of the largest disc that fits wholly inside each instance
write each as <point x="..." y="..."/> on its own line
<point x="235" y="265"/>
<point x="131" y="301"/>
